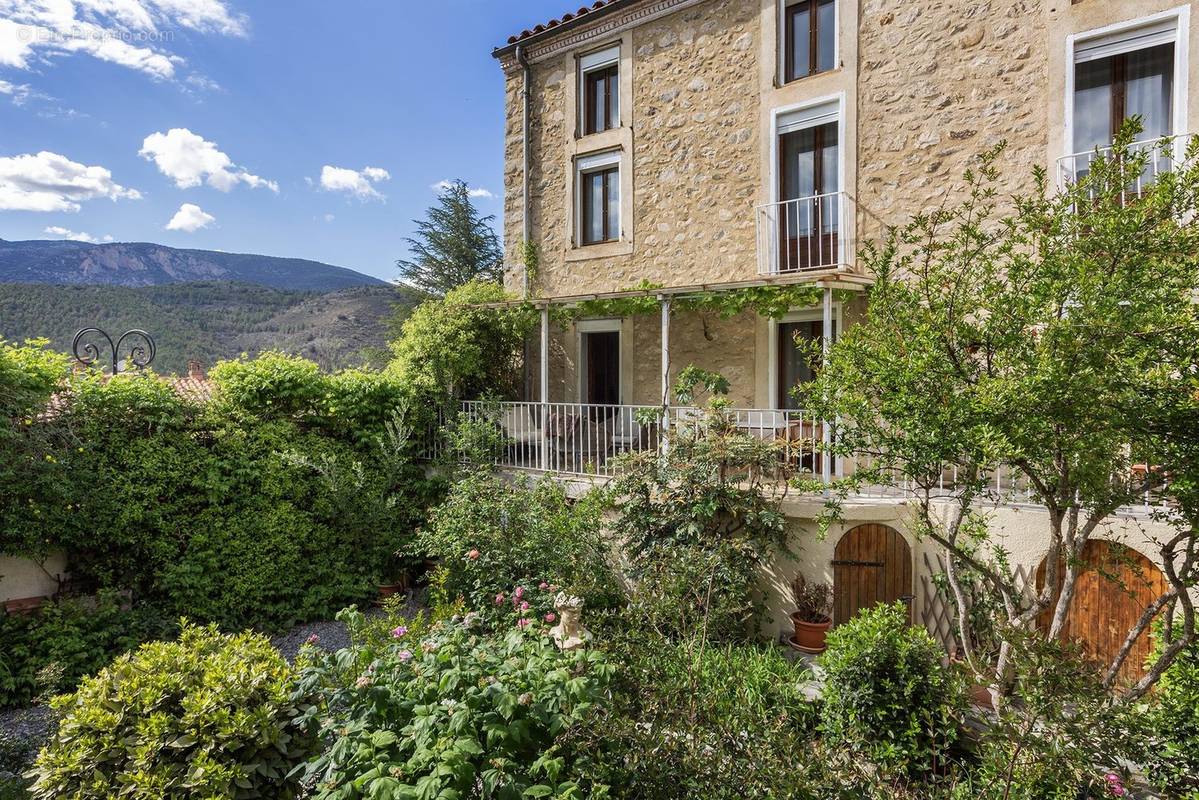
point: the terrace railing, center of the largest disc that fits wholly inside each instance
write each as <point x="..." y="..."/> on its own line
<point x="1163" y="154"/>
<point x="809" y="233"/>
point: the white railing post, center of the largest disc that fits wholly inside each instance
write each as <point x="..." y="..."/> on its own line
<point x="544" y="444"/>
<point x="665" y="425"/>
<point x="826" y="333"/>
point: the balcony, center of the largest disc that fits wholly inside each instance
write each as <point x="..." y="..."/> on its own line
<point x="806" y="234"/>
<point x="1077" y="166"/>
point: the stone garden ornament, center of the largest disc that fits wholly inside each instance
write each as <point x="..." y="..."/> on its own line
<point x="569" y="633"/>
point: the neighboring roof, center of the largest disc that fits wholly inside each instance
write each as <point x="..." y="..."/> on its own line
<point x="568" y="20"/>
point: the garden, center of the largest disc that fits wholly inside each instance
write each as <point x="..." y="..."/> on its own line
<point x="546" y="644"/>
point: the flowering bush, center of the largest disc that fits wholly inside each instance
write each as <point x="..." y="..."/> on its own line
<point x="458" y="714"/>
<point x="494" y="539"/>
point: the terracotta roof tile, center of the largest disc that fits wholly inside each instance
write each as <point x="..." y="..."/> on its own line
<point x="553" y="23"/>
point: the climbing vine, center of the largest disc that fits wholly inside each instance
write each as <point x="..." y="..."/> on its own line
<point x="768" y="301"/>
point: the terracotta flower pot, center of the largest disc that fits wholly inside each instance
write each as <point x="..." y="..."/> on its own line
<point x="388" y="589"/>
<point x="809" y="636"/>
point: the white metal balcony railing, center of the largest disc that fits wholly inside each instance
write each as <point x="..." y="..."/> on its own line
<point x="806" y="233"/>
<point x="581" y="439"/>
<point x="1167" y="149"/>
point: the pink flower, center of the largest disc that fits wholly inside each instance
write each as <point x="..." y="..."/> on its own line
<point x="313" y="639"/>
<point x="472" y="555"/>
<point x="524" y="606"/>
<point x="364" y="682"/>
<point x="499" y="598"/>
<point x="543" y="586"/>
<point x="550" y="617"/>
<point x="399" y="632"/>
<point x="524" y="622"/>
<point x="519" y="593"/>
<point x="404" y="655"/>
<point x="1115" y="784"/>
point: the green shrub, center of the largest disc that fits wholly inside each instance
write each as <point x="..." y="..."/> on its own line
<point x="1174" y="727"/>
<point x="726" y="723"/>
<point x="697" y="525"/>
<point x="206" y="716"/>
<point x="49" y="651"/>
<point x="886" y="694"/>
<point x="457" y="715"/>
<point x="493" y="537"/>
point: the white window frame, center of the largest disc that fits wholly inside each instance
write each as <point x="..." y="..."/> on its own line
<point x="1181" y="17"/>
<point x="813" y="105"/>
<point x="772" y="344"/>
<point x="592" y="162"/>
<point x="592" y="61"/>
<point x="614" y="325"/>
<point x="780" y="50"/>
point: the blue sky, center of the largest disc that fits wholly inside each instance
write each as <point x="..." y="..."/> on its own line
<point x="218" y="118"/>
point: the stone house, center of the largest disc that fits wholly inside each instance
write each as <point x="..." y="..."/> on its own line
<point x="706" y="145"/>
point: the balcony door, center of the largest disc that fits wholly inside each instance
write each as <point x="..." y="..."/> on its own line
<point x="1117" y="77"/>
<point x="809" y="199"/>
<point x="601" y="367"/>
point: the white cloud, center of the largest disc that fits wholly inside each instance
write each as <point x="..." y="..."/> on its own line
<point x="329" y="218"/>
<point x="359" y="183"/>
<point x="51" y="182"/>
<point x="136" y="34"/>
<point x="78" y="236"/>
<point x="477" y="191"/>
<point x="190" y="218"/>
<point x="190" y="160"/>
<point x="18" y="92"/>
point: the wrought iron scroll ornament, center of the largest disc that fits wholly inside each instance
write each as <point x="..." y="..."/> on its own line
<point x="140" y="354"/>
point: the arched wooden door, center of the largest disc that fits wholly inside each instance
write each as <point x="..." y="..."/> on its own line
<point x="1115" y="586"/>
<point x="871" y="564"/>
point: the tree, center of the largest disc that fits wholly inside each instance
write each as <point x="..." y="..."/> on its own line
<point x="1057" y="338"/>
<point x="452" y="246"/>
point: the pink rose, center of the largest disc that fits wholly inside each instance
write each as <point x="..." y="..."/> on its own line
<point x="313" y="639"/>
<point x="523" y="622"/>
<point x="472" y="555"/>
<point x="543" y="586"/>
<point x="519" y="593"/>
<point x="399" y="632"/>
<point x="524" y="606"/>
<point x="405" y="655"/>
<point x="550" y="617"/>
<point x="499" y="598"/>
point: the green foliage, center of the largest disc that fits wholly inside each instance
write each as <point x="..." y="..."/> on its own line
<point x="886" y="695"/>
<point x="29" y="375"/>
<point x="453" y="246"/>
<point x="771" y="302"/>
<point x="271" y="386"/>
<point x="691" y="377"/>
<point x="492" y="537"/>
<point x="696" y="524"/>
<point x="50" y="650"/>
<point x="451" y="347"/>
<point x="1174" y="727"/>
<point x="688" y="721"/>
<point x="456" y="715"/>
<point x="1062" y="735"/>
<point x="206" y="716"/>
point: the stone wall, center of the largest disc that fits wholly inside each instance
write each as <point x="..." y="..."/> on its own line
<point x="939" y="82"/>
<point x="694" y="156"/>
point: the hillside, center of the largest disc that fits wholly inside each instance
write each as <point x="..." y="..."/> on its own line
<point x="209" y="320"/>
<point x="145" y="264"/>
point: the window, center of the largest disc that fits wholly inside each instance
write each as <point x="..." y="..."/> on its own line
<point x="599" y="198"/>
<point x="809" y="38"/>
<point x="795" y="364"/>
<point x="809" y="208"/>
<point x="599" y="90"/>
<point x="1116" y="78"/>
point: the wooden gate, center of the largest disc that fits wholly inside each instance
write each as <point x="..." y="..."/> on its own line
<point x="871" y="564"/>
<point x="1115" y="586"/>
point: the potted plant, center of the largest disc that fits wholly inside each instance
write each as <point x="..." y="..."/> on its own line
<point x="813" y="602"/>
<point x="395" y="576"/>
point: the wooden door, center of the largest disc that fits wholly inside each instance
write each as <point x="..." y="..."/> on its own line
<point x="871" y="564"/>
<point x="1114" y="587"/>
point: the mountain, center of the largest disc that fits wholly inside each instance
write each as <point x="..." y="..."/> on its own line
<point x="145" y="264"/>
<point x="211" y="320"/>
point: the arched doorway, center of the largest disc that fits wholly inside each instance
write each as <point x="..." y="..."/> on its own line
<point x="1115" y="586"/>
<point x="871" y="564"/>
